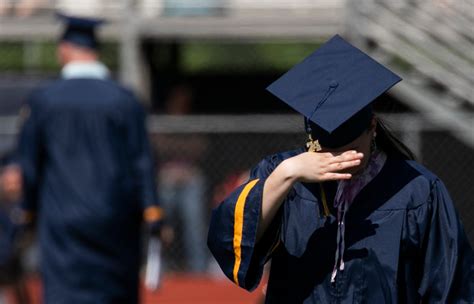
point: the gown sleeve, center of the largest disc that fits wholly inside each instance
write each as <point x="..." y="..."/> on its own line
<point x="143" y="165"/>
<point x="447" y="257"/>
<point x="233" y="230"/>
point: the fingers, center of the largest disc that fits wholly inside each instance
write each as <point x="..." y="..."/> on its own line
<point x="335" y="176"/>
<point x="327" y="166"/>
<point x="335" y="167"/>
<point x="346" y="157"/>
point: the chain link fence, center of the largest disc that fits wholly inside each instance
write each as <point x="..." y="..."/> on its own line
<point x="219" y="152"/>
<point x="201" y="182"/>
<point x="201" y="159"/>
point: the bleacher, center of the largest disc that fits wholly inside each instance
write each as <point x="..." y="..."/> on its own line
<point x="429" y="43"/>
<point x="183" y="18"/>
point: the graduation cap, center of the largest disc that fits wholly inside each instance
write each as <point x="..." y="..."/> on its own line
<point x="333" y="88"/>
<point x="80" y="31"/>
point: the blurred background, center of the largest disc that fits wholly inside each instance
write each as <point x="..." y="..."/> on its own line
<point x="201" y="68"/>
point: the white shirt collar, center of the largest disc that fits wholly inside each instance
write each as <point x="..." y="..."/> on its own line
<point x="79" y="69"/>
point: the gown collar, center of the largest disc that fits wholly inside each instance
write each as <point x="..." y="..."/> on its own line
<point x="91" y="69"/>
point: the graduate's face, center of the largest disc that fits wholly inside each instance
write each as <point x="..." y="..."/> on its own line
<point x="360" y="144"/>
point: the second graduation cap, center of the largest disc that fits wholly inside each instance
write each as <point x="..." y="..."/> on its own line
<point x="334" y="88"/>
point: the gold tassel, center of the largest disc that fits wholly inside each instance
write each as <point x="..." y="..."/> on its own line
<point x="313" y="145"/>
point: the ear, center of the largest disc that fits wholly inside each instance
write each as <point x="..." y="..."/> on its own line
<point x="63" y="52"/>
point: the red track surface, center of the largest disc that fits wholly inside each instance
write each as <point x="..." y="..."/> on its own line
<point x="183" y="289"/>
<point x="200" y="290"/>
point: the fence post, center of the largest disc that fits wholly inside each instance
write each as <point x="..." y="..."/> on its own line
<point x="31" y="55"/>
<point x="132" y="70"/>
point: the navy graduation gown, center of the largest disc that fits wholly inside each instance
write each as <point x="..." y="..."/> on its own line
<point x="88" y="176"/>
<point x="404" y="241"/>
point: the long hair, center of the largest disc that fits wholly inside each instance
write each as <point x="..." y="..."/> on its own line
<point x="390" y="144"/>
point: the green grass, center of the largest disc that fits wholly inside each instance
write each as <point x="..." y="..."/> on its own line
<point x="12" y="57"/>
<point x="207" y="57"/>
<point x="194" y="56"/>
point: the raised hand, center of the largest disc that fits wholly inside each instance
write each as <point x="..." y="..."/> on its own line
<point x="321" y="166"/>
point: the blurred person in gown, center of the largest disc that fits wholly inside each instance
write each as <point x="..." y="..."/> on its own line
<point x="11" y="243"/>
<point x="182" y="185"/>
<point x="88" y="176"/>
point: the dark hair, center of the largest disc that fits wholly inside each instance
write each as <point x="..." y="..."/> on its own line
<point x="390" y="144"/>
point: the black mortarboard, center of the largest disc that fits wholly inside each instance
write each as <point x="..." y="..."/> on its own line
<point x="334" y="88"/>
<point x="80" y="31"/>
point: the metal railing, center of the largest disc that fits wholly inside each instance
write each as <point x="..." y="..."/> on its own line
<point x="430" y="44"/>
<point x="112" y="9"/>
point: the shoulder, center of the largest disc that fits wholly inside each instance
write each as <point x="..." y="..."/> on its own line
<point x="38" y="98"/>
<point x="126" y="95"/>
<point x="100" y="90"/>
<point x="78" y="84"/>
<point x="426" y="180"/>
<point x="270" y="162"/>
<point x="412" y="182"/>
<point x="277" y="158"/>
<point x="41" y="92"/>
<point x="119" y="88"/>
